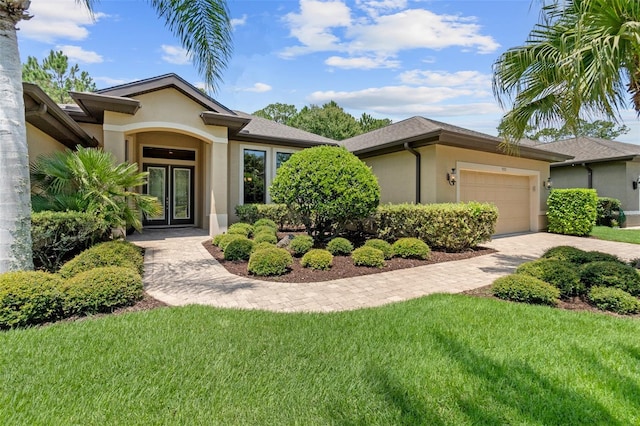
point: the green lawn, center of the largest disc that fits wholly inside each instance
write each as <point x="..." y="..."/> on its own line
<point x="616" y="234"/>
<point x="442" y="359"/>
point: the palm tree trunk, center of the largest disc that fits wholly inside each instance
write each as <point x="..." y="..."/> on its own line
<point x="15" y="200"/>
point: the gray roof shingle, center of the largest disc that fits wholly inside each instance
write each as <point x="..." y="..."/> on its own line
<point x="263" y="128"/>
<point x="586" y="149"/>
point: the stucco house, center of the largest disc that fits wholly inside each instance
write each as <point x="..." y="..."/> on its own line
<point x="612" y="168"/>
<point x="204" y="159"/>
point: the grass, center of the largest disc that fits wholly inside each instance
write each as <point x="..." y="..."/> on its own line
<point x="616" y="234"/>
<point x="442" y="359"/>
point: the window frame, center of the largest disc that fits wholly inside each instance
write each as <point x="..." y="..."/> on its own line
<point x="270" y="166"/>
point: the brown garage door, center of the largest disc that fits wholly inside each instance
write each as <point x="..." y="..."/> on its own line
<point x="509" y="192"/>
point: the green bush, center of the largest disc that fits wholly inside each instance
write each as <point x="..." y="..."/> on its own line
<point x="300" y="244"/>
<point x="262" y="245"/>
<point x="225" y="239"/>
<point x="239" y="249"/>
<point x="240" y="228"/>
<point x="101" y="290"/>
<point x="270" y="261"/>
<point x="58" y="236"/>
<point x="263" y="229"/>
<point x="368" y="256"/>
<point x="572" y="211"/>
<point x="409" y="247"/>
<point x="611" y="274"/>
<point x="265" y="237"/>
<point x="559" y="273"/>
<point x="340" y="247"/>
<point x="326" y="187"/>
<point x="317" y="259"/>
<point x="111" y="253"/>
<point x="277" y="213"/>
<point x="381" y="245"/>
<point x="525" y="288"/>
<point x="266" y="222"/>
<point x="609" y="212"/>
<point x="217" y="239"/>
<point x="448" y="226"/>
<point x="567" y="253"/>
<point x="614" y="300"/>
<point x="28" y="297"/>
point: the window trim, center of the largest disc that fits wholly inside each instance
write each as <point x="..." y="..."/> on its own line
<point x="270" y="167"/>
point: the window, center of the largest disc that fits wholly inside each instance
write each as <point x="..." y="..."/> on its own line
<point x="258" y="168"/>
<point x="281" y="157"/>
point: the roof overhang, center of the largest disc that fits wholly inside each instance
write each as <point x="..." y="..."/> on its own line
<point x="597" y="160"/>
<point x="233" y="122"/>
<point x="245" y="136"/>
<point x="93" y="106"/>
<point x="43" y="113"/>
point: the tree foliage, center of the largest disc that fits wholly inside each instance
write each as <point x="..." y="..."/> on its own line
<point x="601" y="129"/>
<point x="56" y="77"/>
<point x="280" y="113"/>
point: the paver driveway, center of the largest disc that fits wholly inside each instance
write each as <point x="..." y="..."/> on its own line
<point x="179" y="271"/>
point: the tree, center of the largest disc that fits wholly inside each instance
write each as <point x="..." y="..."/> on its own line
<point x="56" y="78"/>
<point x="203" y="28"/>
<point x="330" y="121"/>
<point x="368" y="123"/>
<point x="579" y="61"/>
<point x="280" y="113"/>
<point x="326" y="186"/>
<point x="597" y="129"/>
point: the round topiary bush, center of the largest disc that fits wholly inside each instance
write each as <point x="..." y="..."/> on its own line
<point x="265" y="237"/>
<point x="317" y="259"/>
<point x="340" y="247"/>
<point x="240" y="228"/>
<point x="263" y="230"/>
<point x="265" y="222"/>
<point x="239" y="249"/>
<point x="300" y="244"/>
<point x="598" y="256"/>
<point x="611" y="274"/>
<point x="227" y="238"/>
<point x="368" y="256"/>
<point x="381" y="245"/>
<point x="29" y="297"/>
<point x="270" y="261"/>
<point x="568" y="253"/>
<point x="614" y="300"/>
<point x="561" y="274"/>
<point x="216" y="239"/>
<point x="525" y="288"/>
<point x="262" y="245"/>
<point x="411" y="248"/>
<point x="111" y="253"/>
<point x="101" y="290"/>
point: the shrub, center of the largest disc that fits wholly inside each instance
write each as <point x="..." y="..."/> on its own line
<point x="614" y="300"/>
<point x="111" y="253"/>
<point x="559" y="273"/>
<point x="266" y="222"/>
<point x="411" y="248"/>
<point x="300" y="244"/>
<point x="381" y="245"/>
<point x="340" y="247"/>
<point x="239" y="249"/>
<point x="101" y="290"/>
<point x="317" y="259"/>
<point x="609" y="212"/>
<point x="225" y="239"/>
<point x="270" y="261"/>
<point x="567" y="253"/>
<point x="58" y="236"/>
<point x="572" y="211"/>
<point x="448" y="226"/>
<point x="217" y="239"/>
<point x="240" y="229"/>
<point x="368" y="256"/>
<point x="28" y="297"/>
<point x="525" y="288"/>
<point x="276" y="213"/>
<point x="264" y="237"/>
<point x="262" y="245"/>
<point x="263" y="230"/>
<point x="611" y="274"/>
<point x="326" y="187"/>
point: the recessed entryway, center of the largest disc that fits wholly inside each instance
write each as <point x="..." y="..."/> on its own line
<point x="174" y="188"/>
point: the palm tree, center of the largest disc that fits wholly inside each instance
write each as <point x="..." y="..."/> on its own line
<point x="203" y="28"/>
<point x="581" y="61"/>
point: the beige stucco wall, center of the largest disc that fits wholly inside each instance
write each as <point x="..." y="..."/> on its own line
<point x="40" y="143"/>
<point x="94" y="130"/>
<point x="396" y="176"/>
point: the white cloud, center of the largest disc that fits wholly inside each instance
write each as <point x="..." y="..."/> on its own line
<point x="362" y="62"/>
<point x="375" y="7"/>
<point x="175" y="55"/>
<point x="258" y="88"/>
<point x="78" y="54"/>
<point x="57" y="19"/>
<point x="474" y="79"/>
<point x="238" y="22"/>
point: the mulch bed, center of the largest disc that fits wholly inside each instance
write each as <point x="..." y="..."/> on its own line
<point x="342" y="267"/>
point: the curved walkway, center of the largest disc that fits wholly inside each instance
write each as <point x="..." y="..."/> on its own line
<point x="179" y="271"/>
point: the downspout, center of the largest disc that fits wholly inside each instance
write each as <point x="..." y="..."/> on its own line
<point x="418" y="173"/>
<point x="589" y="175"/>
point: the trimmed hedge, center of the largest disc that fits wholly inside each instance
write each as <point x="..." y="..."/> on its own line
<point x="58" y="236"/>
<point x="29" y="297"/>
<point x="317" y="259"/>
<point x="611" y="274"/>
<point x="270" y="261"/>
<point x="111" y="253"/>
<point x="340" y="247"/>
<point x="368" y="256"/>
<point x="381" y="245"/>
<point x="277" y="213"/>
<point x="411" y="248"/>
<point x="572" y="211"/>
<point x="300" y="244"/>
<point x="239" y="249"/>
<point x="559" y="273"/>
<point x="240" y="228"/>
<point x="101" y="290"/>
<point x="448" y="226"/>
<point x="614" y="300"/>
<point x="525" y="288"/>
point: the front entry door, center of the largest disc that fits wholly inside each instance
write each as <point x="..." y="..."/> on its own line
<point x="173" y="186"/>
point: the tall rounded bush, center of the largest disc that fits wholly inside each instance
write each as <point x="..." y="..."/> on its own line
<point x="28" y="297"/>
<point x="326" y="187"/>
<point x="572" y="211"/>
<point x="239" y="249"/>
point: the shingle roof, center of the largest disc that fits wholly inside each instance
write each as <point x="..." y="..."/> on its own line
<point x="586" y="149"/>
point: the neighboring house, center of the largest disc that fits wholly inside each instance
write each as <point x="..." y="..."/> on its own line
<point x="611" y="168"/>
<point x="204" y="159"/>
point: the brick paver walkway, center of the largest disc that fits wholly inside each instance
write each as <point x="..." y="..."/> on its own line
<point x="179" y="271"/>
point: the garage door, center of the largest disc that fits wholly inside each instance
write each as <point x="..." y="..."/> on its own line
<point x="509" y="192"/>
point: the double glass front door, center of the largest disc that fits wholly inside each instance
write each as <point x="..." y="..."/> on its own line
<point x="173" y="187"/>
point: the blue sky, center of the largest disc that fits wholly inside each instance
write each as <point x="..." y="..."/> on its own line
<point x="388" y="58"/>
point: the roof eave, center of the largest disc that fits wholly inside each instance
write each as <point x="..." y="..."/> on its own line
<point x="301" y="143"/>
<point x="94" y="105"/>
<point x="233" y="122"/>
<point x="596" y="160"/>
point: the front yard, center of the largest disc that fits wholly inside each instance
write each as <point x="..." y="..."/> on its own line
<point x="616" y="234"/>
<point x="442" y="359"/>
